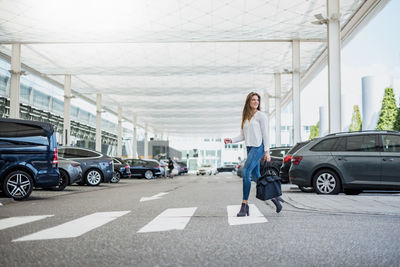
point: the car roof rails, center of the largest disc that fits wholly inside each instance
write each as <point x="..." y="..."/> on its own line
<point x="365" y="131"/>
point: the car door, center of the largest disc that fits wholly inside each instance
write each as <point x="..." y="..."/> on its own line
<point x="138" y="167"/>
<point x="390" y="160"/>
<point x="358" y="157"/>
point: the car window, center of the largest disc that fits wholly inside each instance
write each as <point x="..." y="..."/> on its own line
<point x="138" y="163"/>
<point x="116" y="161"/>
<point x="391" y="143"/>
<point x="77" y="153"/>
<point x="297" y="147"/>
<point x="278" y="152"/>
<point x="364" y="143"/>
<point x="325" y="145"/>
<point x="21" y="134"/>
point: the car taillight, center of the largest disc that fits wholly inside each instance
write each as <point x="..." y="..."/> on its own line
<point x="239" y="166"/>
<point x="288" y="158"/>
<point x="296" y="160"/>
<point x="75" y="165"/>
<point x="55" y="156"/>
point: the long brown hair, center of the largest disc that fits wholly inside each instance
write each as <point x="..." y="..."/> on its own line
<point x="246" y="115"/>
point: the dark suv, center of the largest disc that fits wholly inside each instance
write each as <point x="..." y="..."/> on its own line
<point x="351" y="162"/>
<point x="28" y="157"/>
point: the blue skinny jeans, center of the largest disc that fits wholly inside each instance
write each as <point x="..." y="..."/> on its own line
<point x="251" y="167"/>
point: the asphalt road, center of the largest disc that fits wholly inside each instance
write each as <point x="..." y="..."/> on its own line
<point x="108" y="225"/>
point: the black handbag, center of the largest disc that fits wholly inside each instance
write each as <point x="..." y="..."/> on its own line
<point x="269" y="184"/>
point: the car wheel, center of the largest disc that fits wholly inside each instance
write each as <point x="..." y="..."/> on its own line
<point x="148" y="175"/>
<point x="326" y="182"/>
<point x="18" y="185"/>
<point x="63" y="182"/>
<point x="352" y="191"/>
<point x="306" y="189"/>
<point x="116" y="177"/>
<point x="93" y="177"/>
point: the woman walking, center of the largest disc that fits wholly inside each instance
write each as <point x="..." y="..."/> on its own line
<point x="254" y="133"/>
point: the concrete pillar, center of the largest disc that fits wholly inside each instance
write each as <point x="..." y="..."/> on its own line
<point x="134" y="139"/>
<point x="146" y="143"/>
<point x="277" y="109"/>
<point x="119" y="141"/>
<point x="323" y="121"/>
<point x="67" y="111"/>
<point x="334" y="79"/>
<point x="15" y="80"/>
<point x="296" y="91"/>
<point x="98" y="122"/>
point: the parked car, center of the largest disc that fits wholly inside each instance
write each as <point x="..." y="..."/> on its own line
<point x="164" y="163"/>
<point x="226" y="168"/>
<point x="160" y="166"/>
<point x="182" y="167"/>
<point x="96" y="167"/>
<point x="28" y="157"/>
<point x="351" y="162"/>
<point x="121" y="170"/>
<point x="205" y="169"/>
<point x="70" y="173"/>
<point x="287" y="162"/>
<point x="144" y="168"/>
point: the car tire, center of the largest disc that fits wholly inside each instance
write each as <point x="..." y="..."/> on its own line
<point x="93" y="177"/>
<point x="306" y="189"/>
<point x="148" y="175"/>
<point x="352" y="191"/>
<point x="18" y="185"/>
<point x="326" y="182"/>
<point x="64" y="181"/>
<point x="116" y="177"/>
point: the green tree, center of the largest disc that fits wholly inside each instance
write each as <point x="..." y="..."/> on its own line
<point x="389" y="111"/>
<point x="356" y="123"/>
<point x="314" y="131"/>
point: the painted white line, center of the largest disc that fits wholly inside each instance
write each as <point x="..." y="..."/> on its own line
<point x="15" y="221"/>
<point x="169" y="219"/>
<point x="255" y="215"/>
<point x="76" y="227"/>
<point x="158" y="196"/>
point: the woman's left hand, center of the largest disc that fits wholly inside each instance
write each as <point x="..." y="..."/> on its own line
<point x="267" y="157"/>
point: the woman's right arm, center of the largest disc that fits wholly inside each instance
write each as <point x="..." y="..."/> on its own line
<point x="238" y="138"/>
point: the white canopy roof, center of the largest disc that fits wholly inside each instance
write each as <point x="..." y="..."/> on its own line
<point x="183" y="67"/>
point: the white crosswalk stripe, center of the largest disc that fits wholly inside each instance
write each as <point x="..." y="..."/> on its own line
<point x="170" y="219"/>
<point x="76" y="227"/>
<point x="255" y="215"/>
<point x="15" y="221"/>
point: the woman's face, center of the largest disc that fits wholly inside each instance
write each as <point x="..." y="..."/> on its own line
<point x="255" y="102"/>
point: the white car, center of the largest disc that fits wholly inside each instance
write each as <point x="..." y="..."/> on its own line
<point x="205" y="169"/>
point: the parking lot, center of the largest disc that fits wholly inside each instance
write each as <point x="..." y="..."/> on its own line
<point x="190" y="220"/>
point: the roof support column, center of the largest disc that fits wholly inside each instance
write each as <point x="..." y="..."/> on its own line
<point x="134" y="138"/>
<point x="119" y="141"/>
<point x="98" y="122"/>
<point x="277" y="109"/>
<point x="15" y="80"/>
<point x="296" y="91"/>
<point x="266" y="102"/>
<point x="334" y="79"/>
<point x="67" y="111"/>
<point x="146" y="143"/>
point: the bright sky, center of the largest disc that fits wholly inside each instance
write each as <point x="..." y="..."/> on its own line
<point x="375" y="50"/>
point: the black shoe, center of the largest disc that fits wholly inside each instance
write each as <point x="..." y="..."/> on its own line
<point x="278" y="205"/>
<point x="244" y="209"/>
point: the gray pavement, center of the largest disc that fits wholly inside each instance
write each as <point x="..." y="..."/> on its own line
<point x="312" y="230"/>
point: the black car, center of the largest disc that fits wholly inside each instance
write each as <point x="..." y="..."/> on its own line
<point x="121" y="170"/>
<point x="96" y="167"/>
<point x="349" y="162"/>
<point x="226" y="168"/>
<point x="287" y="162"/>
<point x="28" y="157"/>
<point x="276" y="153"/>
<point x="182" y="167"/>
<point x="144" y="168"/>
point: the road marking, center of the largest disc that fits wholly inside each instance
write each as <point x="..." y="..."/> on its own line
<point x="74" y="228"/>
<point x="169" y="219"/>
<point x="15" y="221"/>
<point x="158" y="196"/>
<point x="255" y="215"/>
